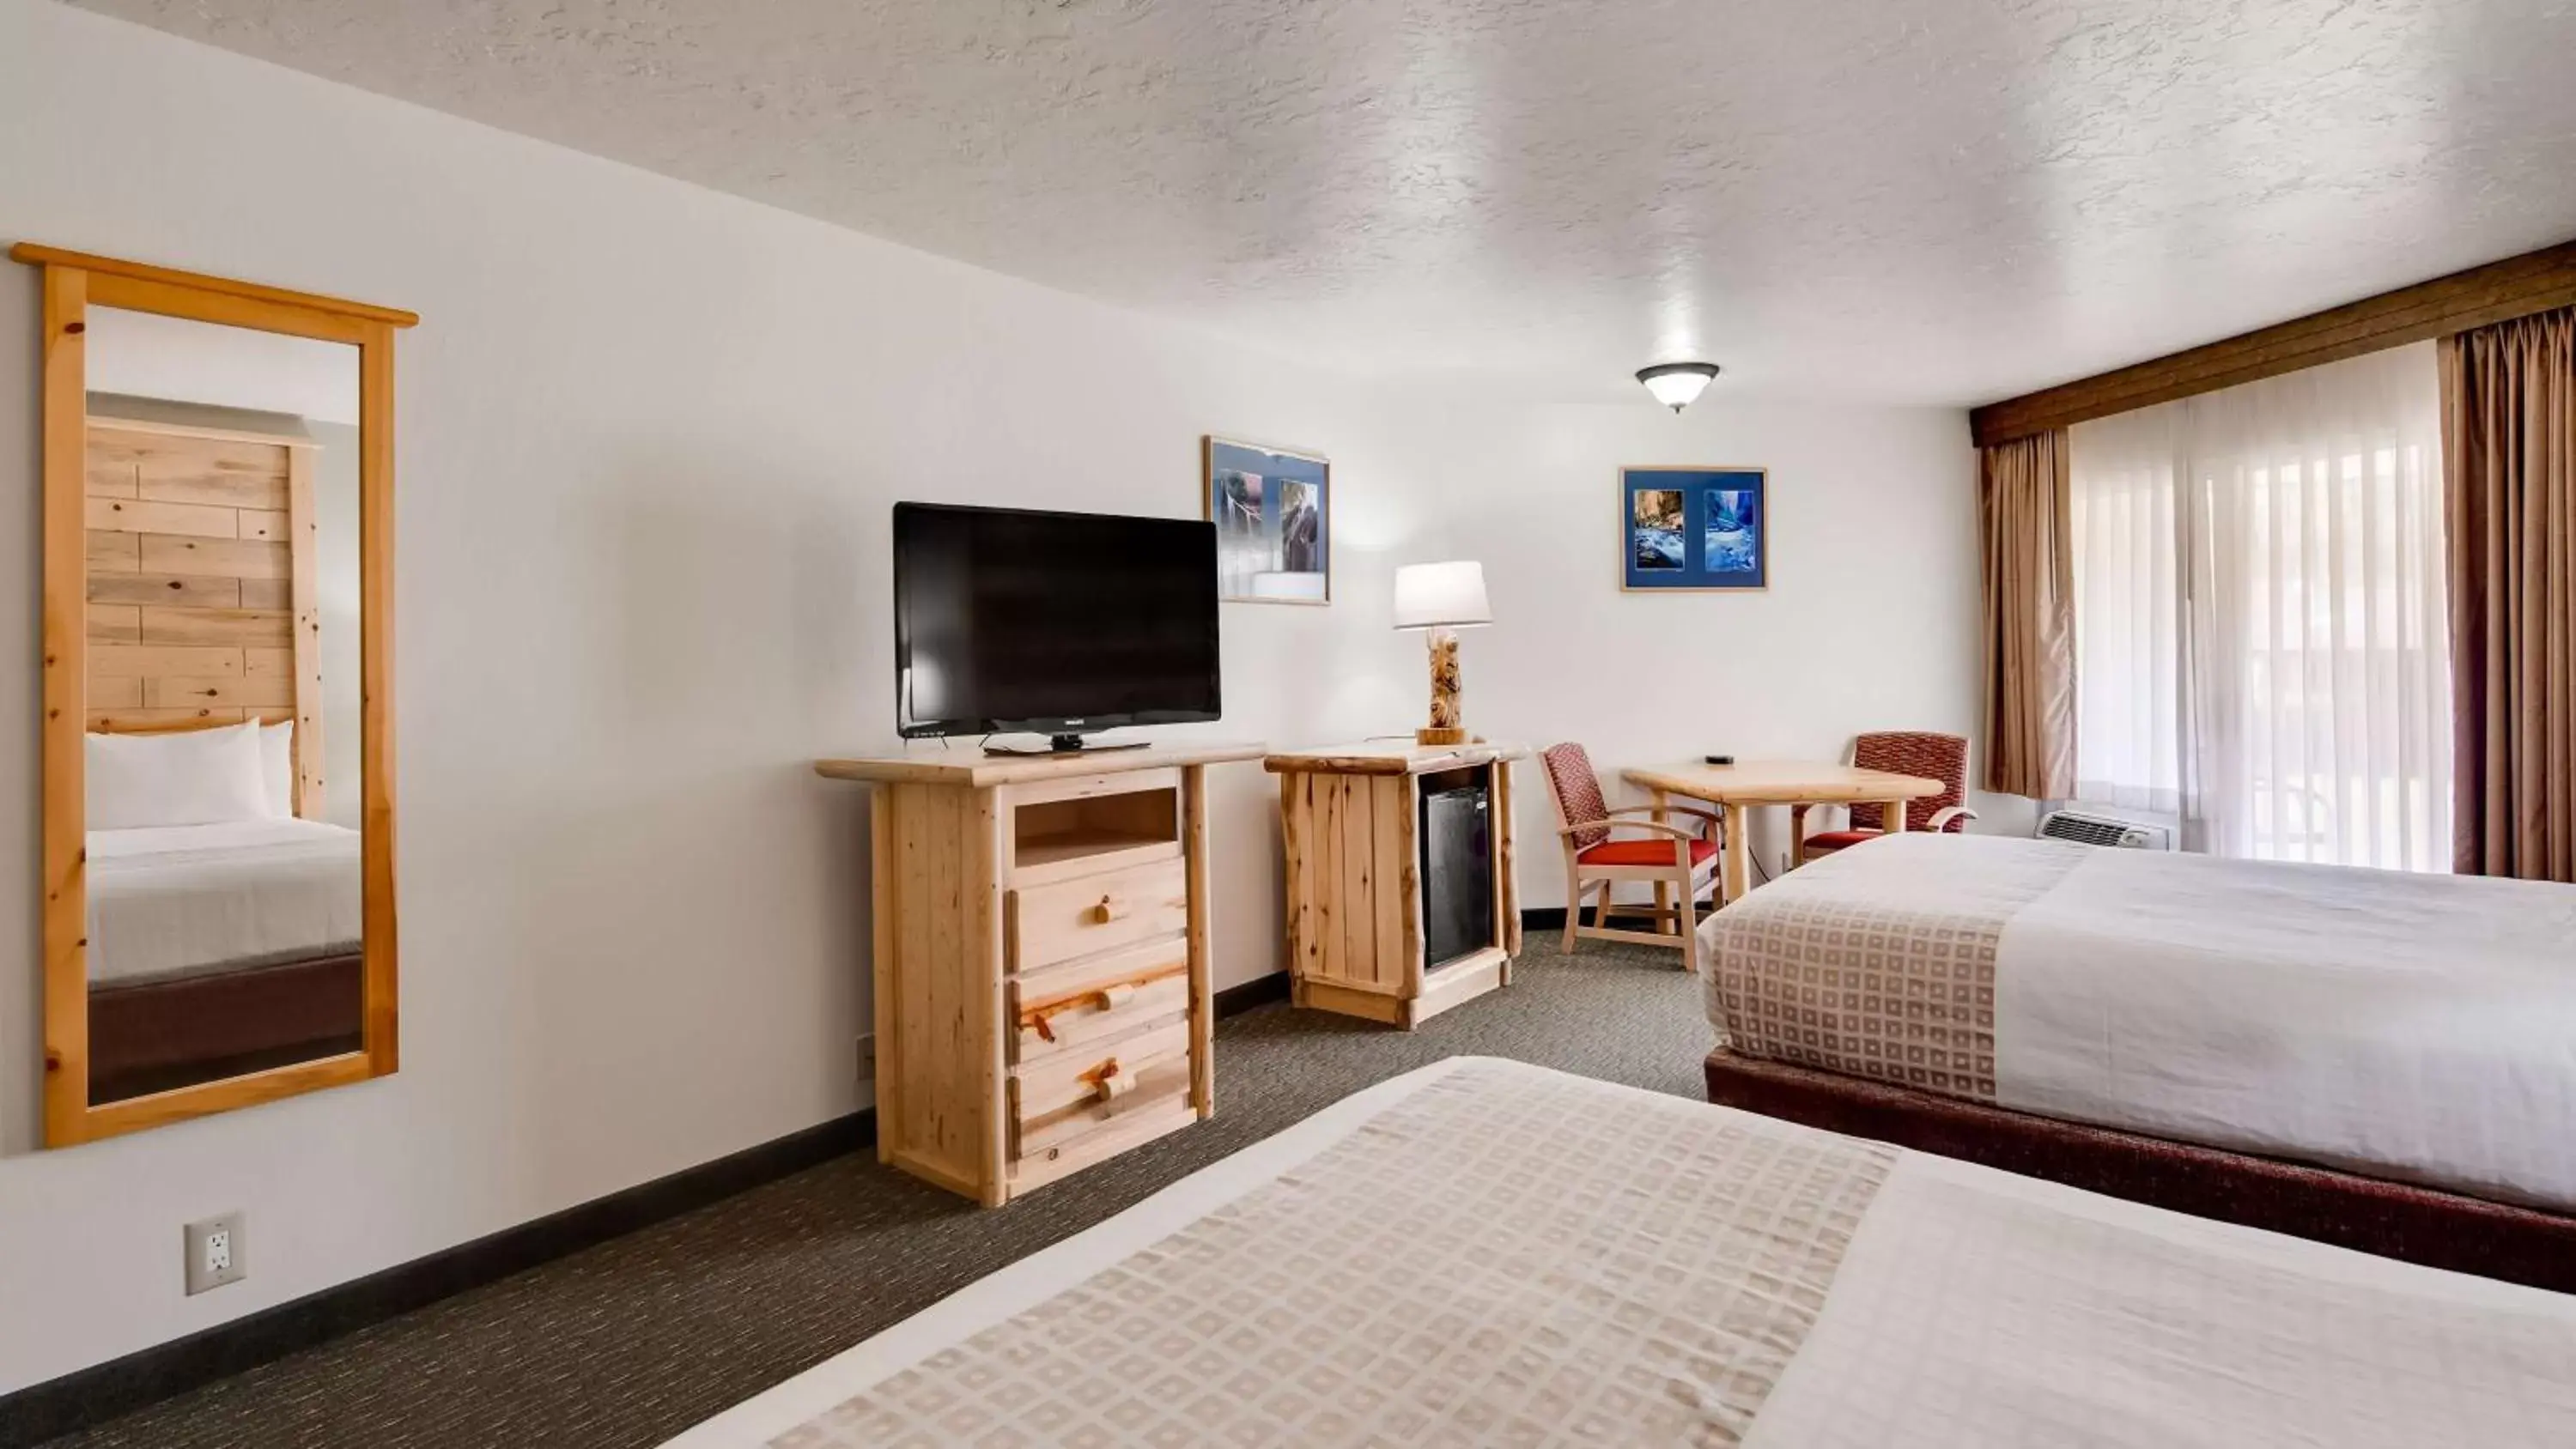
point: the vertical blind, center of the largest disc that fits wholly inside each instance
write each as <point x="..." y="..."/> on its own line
<point x="2261" y="640"/>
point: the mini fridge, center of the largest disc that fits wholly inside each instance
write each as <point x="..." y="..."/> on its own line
<point x="1457" y="870"/>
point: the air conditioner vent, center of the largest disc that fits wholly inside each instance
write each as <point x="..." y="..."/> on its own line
<point x="2083" y="829"/>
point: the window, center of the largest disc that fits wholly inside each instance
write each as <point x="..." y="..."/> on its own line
<point x="2262" y="646"/>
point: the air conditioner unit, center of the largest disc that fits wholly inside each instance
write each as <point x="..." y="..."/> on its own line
<point x="2089" y="829"/>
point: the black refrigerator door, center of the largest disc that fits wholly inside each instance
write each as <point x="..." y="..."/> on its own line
<point x="1457" y="875"/>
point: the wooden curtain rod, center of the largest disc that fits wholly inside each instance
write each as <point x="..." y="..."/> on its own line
<point x="2515" y="287"/>
<point x="44" y="256"/>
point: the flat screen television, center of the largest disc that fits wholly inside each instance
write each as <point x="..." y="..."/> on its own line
<point x="1061" y="624"/>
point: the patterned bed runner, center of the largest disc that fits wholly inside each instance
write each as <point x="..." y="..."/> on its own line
<point x="1878" y="961"/>
<point x="1507" y="1256"/>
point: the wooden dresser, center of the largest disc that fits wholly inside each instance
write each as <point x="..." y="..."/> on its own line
<point x="1357" y="937"/>
<point x="1041" y="957"/>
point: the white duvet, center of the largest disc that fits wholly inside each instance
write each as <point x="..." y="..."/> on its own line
<point x="174" y="901"/>
<point x="2414" y="1027"/>
<point x="1483" y="1252"/>
<point x="2408" y="1025"/>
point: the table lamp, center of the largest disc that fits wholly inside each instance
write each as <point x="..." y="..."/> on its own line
<point x="1442" y="598"/>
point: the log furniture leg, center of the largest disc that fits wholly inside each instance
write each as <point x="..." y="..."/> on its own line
<point x="1739" y="853"/>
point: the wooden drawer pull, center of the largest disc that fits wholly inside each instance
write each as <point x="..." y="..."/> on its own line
<point x="1111" y="1080"/>
<point x="1041" y="1019"/>
<point x="1111" y="908"/>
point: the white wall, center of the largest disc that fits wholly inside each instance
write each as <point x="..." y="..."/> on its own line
<point x="647" y="437"/>
<point x="1870" y="621"/>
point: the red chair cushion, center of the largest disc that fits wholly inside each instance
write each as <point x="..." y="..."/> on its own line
<point x="1839" y="839"/>
<point x="1642" y="852"/>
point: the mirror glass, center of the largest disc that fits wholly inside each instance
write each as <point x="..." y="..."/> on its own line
<point x="221" y="760"/>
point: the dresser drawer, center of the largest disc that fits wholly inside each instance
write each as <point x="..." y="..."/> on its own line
<point x="1067" y="1007"/>
<point x="1075" y="1093"/>
<point x="1091" y="913"/>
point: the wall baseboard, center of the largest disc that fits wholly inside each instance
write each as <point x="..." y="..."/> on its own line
<point x="1552" y="918"/>
<point x="1259" y="991"/>
<point x="92" y="1396"/>
<point x="1262" y="990"/>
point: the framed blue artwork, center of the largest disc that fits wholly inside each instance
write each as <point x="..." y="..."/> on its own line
<point x="1273" y="512"/>
<point x="1694" y="528"/>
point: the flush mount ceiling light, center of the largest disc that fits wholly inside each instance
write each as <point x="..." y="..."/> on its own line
<point x="1677" y="384"/>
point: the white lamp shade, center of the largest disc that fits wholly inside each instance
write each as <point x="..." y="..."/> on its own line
<point x="1441" y="595"/>
<point x="1677" y="384"/>
<point x="1677" y="389"/>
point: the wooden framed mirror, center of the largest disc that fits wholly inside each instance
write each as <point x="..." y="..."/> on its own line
<point x="218" y="719"/>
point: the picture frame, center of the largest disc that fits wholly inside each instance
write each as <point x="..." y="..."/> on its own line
<point x="1273" y="508"/>
<point x="1694" y="529"/>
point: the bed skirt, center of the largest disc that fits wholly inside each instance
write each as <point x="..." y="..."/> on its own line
<point x="158" y="1035"/>
<point x="2390" y="1219"/>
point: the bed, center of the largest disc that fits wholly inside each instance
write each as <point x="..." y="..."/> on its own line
<point x="1988" y="996"/>
<point x="1484" y="1252"/>
<point x="220" y="948"/>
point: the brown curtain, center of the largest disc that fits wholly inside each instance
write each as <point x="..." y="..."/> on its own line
<point x="2509" y="440"/>
<point x="2030" y="617"/>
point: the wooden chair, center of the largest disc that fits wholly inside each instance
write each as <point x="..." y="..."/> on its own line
<point x="1902" y="752"/>
<point x="1682" y="864"/>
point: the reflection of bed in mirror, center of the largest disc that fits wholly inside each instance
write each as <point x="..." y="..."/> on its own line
<point x="219" y="949"/>
<point x="224" y="905"/>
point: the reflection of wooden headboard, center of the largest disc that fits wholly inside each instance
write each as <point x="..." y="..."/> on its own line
<point x="202" y="603"/>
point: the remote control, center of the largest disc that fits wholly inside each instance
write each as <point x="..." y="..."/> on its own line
<point x="1719" y="759"/>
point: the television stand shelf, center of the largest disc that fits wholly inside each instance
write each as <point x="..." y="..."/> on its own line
<point x="1083" y="852"/>
<point x="1041" y="958"/>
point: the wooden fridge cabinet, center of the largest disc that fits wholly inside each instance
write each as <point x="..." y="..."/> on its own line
<point x="1351" y="819"/>
<point x="1041" y="959"/>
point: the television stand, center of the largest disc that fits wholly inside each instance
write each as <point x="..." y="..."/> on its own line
<point x="1041" y="959"/>
<point x="1065" y="745"/>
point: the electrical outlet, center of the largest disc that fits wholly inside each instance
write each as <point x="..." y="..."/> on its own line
<point x="868" y="1061"/>
<point x="215" y="1252"/>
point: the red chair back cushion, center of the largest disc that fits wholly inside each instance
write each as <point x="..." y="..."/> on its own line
<point x="1914" y="752"/>
<point x="1578" y="792"/>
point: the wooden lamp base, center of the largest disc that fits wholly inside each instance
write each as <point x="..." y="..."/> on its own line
<point x="1444" y="728"/>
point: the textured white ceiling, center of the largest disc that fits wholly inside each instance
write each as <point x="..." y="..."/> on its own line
<point x="1938" y="201"/>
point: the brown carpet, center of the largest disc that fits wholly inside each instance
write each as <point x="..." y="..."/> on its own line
<point x="632" y="1341"/>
